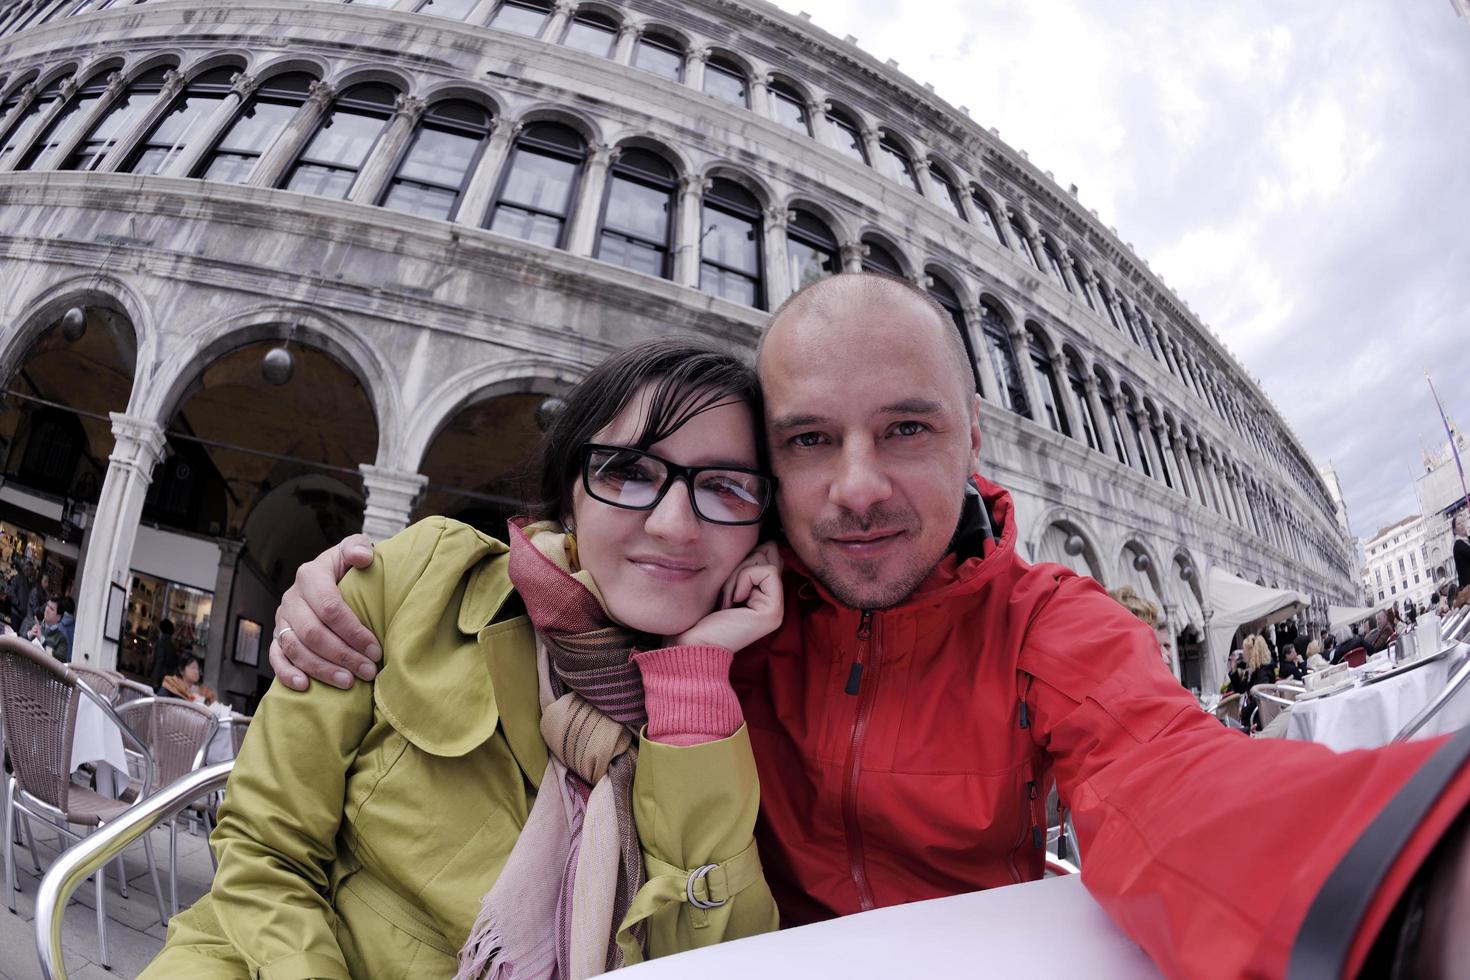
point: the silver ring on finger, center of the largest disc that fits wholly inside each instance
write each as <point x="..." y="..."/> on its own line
<point x="284" y="631"/>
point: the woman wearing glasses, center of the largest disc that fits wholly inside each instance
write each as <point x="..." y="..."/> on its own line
<point x="509" y="799"/>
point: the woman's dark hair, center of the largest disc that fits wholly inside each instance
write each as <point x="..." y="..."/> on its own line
<point x="186" y="660"/>
<point x="688" y="378"/>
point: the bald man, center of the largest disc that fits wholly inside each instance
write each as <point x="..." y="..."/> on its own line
<point x="928" y="684"/>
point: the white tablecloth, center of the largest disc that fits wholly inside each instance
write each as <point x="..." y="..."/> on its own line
<point x="98" y="741"/>
<point x="1370" y="715"/>
<point x="1047" y="928"/>
<point x="222" y="746"/>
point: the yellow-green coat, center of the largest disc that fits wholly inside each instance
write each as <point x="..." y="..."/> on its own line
<point x="360" y="828"/>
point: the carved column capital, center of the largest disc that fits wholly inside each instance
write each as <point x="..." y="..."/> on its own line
<point x="321" y="94"/>
<point x="409" y="107"/>
<point x="243" y="85"/>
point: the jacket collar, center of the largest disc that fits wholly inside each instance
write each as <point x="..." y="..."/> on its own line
<point x="984" y="541"/>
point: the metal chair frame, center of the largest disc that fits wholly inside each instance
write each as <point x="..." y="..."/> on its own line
<point x="1452" y="687"/>
<point x="18" y="800"/>
<point x="73" y="867"/>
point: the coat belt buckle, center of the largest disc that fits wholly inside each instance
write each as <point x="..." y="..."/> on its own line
<point x="695" y="875"/>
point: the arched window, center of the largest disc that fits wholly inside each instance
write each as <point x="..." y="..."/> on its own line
<point x="849" y="135"/>
<point x="1111" y="416"/>
<point x="989" y="222"/>
<point x="435" y="169"/>
<point x="526" y="17"/>
<point x="1079" y="274"/>
<point x="877" y="257"/>
<point x="1048" y="387"/>
<point x="166" y="140"/>
<point x="946" y="194"/>
<point x="946" y="297"/>
<point x="1023" y="244"/>
<point x="330" y="161"/>
<point x="724" y="79"/>
<point x="453" y="9"/>
<point x="1107" y="302"/>
<point x="811" y="249"/>
<point x="1077" y="381"/>
<point x="638" y="217"/>
<point x="661" y="56"/>
<point x="265" y="114"/>
<point x="1003" y="359"/>
<point x="789" y="107"/>
<point x="1135" y="424"/>
<point x="8" y="106"/>
<point x="1054" y="260"/>
<point x="1127" y="318"/>
<point x="25" y="129"/>
<point x="117" y="121"/>
<point x="1167" y="470"/>
<point x="537" y="189"/>
<point x="897" y="163"/>
<point x="593" y="32"/>
<point x="730" y="252"/>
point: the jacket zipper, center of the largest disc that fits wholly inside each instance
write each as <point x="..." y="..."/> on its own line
<point x="857" y="866"/>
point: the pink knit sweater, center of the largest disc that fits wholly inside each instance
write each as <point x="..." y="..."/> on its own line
<point x="687" y="693"/>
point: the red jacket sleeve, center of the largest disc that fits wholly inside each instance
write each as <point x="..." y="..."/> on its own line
<point x="1175" y="814"/>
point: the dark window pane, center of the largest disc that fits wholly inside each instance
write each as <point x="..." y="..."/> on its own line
<point x="880" y="259"/>
<point x="659" y="57"/>
<point x="114" y="125"/>
<point x="728" y="285"/>
<point x="429" y="202"/>
<point x="630" y="254"/>
<point x="944" y="193"/>
<point x="520" y="18"/>
<point x="171" y="134"/>
<point x="592" y="36"/>
<point x="731" y="241"/>
<point x="808" y="264"/>
<point x="324" y="181"/>
<point x="898" y="165"/>
<point x="439" y="158"/>
<point x="638" y="210"/>
<point x="256" y="128"/>
<point x="454" y="9"/>
<point x="988" y="222"/>
<point x="344" y="140"/>
<point x="537" y="228"/>
<point x="22" y="131"/>
<point x="152" y="161"/>
<point x="229" y="168"/>
<point x="725" y="81"/>
<point x="790" y="111"/>
<point x="60" y="130"/>
<point x="849" y="137"/>
<point x="540" y="182"/>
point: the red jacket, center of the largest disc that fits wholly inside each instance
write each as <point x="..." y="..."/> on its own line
<point x="924" y="771"/>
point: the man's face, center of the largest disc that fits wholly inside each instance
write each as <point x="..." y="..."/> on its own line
<point x="872" y="436"/>
<point x="51" y="616"/>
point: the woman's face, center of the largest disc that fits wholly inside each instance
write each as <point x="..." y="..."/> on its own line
<point x="191" y="672"/>
<point x="660" y="571"/>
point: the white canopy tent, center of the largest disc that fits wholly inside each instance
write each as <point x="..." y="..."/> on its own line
<point x="1238" y="603"/>
<point x="1339" y="618"/>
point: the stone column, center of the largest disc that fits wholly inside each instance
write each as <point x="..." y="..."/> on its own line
<point x="289" y="143"/>
<point x="1159" y="443"/>
<point x="1064" y="257"/>
<point x="81" y="124"/>
<point x="628" y="36"/>
<point x="391" y="498"/>
<point x="1149" y="449"/>
<point x="582" y="236"/>
<point x="173" y="84"/>
<point x="1021" y="347"/>
<point x="694" y="61"/>
<point x="1191" y="450"/>
<point x="852" y="254"/>
<point x="480" y="15"/>
<point x="821" y="128"/>
<point x="1100" y="420"/>
<point x="556" y="24"/>
<point x="212" y="129"/>
<point x="138" y="445"/>
<point x="1217" y="477"/>
<point x="222" y="619"/>
<point x="690" y="229"/>
<point x="480" y="191"/>
<point x="872" y="138"/>
<point x="373" y="178"/>
<point x="27" y="99"/>
<point x="1069" y="398"/>
<point x="973" y="320"/>
<point x="778" y="265"/>
<point x="760" y="96"/>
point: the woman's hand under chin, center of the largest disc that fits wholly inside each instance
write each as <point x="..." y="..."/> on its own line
<point x="751" y="605"/>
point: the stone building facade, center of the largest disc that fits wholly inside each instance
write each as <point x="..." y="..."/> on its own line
<point x="447" y="210"/>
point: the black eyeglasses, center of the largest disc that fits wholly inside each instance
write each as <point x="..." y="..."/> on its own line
<point x="635" y="480"/>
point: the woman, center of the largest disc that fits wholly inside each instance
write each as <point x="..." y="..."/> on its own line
<point x="495" y="755"/>
<point x="1258" y="670"/>
<point x="187" y="683"/>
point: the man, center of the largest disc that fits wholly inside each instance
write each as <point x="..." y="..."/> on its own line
<point x="68" y="607"/>
<point x="165" y="661"/>
<point x="927" y="683"/>
<point x="1461" y="527"/>
<point x="48" y="630"/>
<point x="19" y="594"/>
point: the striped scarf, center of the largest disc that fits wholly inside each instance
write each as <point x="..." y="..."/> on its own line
<point x="555" y="909"/>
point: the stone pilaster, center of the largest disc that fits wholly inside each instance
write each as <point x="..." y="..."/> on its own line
<point x="582" y="238"/>
<point x="391" y="497"/>
<point x="212" y="129"/>
<point x="480" y="192"/>
<point x="270" y="169"/>
<point x="690" y="229"/>
<point x="372" y="179"/>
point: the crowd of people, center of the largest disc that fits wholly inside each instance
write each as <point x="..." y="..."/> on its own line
<point x="33" y="606"/>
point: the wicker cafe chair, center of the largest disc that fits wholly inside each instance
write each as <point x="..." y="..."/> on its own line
<point x="181" y="734"/>
<point x="101" y="681"/>
<point x="239" y="724"/>
<point x="131" y="690"/>
<point x="40" y="696"/>
<point x="1271" y="700"/>
<point x="1228" y="710"/>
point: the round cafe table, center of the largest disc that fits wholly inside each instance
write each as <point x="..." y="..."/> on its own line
<point x="995" y="933"/>
<point x="1369" y="715"/>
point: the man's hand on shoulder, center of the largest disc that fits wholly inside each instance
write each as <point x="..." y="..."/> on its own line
<point x="316" y="635"/>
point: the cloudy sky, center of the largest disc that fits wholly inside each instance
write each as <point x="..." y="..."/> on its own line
<point x="1297" y="170"/>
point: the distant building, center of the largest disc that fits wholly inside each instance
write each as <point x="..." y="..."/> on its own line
<point x="1441" y="493"/>
<point x="1398" y="563"/>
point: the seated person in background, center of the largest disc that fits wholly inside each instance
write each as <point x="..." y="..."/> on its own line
<point x="1293" y="665"/>
<point x="188" y="683"/>
<point x="1383" y="631"/>
<point x="1260" y="670"/>
<point x="1315" y="660"/>
<point x="1238" y="680"/>
<point x="48" y="630"/>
